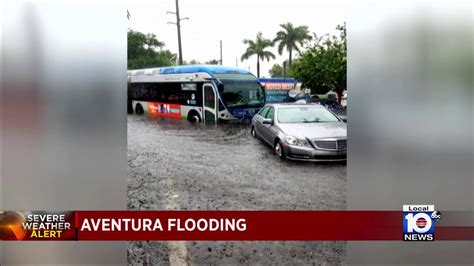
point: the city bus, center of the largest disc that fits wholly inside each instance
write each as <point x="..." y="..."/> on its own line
<point x="196" y="93"/>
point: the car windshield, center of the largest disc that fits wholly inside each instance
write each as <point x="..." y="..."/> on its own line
<point x="305" y="114"/>
<point x="241" y="90"/>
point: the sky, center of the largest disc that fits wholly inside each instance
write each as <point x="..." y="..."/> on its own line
<point x="231" y="21"/>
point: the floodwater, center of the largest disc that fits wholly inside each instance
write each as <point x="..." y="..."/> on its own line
<point x="176" y="165"/>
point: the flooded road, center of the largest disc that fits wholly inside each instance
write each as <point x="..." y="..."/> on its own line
<point x="174" y="164"/>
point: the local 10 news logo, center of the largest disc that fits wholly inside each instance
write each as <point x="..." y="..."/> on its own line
<point x="419" y="222"/>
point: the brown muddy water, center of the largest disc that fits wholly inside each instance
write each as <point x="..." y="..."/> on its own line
<point x="176" y="165"/>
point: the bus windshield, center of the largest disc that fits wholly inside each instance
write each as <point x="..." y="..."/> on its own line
<point x="241" y="90"/>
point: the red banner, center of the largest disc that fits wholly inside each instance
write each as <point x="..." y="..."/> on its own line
<point x="214" y="225"/>
<point x="250" y="225"/>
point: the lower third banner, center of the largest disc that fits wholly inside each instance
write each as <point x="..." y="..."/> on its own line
<point x="215" y="225"/>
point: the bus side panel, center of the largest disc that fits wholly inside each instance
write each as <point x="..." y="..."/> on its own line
<point x="160" y="109"/>
<point x="164" y="109"/>
<point x="185" y="109"/>
<point x="169" y="99"/>
<point x="142" y="103"/>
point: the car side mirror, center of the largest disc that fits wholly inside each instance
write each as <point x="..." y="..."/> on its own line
<point x="267" y="121"/>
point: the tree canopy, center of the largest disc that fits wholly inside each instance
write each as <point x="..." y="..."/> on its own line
<point x="291" y="38"/>
<point x="212" y="62"/>
<point x="145" y="50"/>
<point x="258" y="47"/>
<point x="276" y="71"/>
<point x="323" y="66"/>
<point x="196" y="62"/>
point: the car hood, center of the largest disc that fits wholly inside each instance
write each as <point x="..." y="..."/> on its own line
<point x="315" y="130"/>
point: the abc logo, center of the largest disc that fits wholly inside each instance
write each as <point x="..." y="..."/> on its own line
<point x="418" y="223"/>
<point x="436" y="215"/>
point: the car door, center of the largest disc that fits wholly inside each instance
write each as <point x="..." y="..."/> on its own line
<point x="209" y="101"/>
<point x="259" y="120"/>
<point x="267" y="134"/>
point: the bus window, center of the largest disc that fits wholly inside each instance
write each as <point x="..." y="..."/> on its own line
<point x="210" y="97"/>
<point x="154" y="93"/>
<point x="169" y="92"/>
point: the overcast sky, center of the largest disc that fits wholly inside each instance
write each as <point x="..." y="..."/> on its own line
<point x="231" y="21"/>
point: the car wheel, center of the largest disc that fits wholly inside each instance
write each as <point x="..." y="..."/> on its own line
<point x="279" y="150"/>
<point x="253" y="132"/>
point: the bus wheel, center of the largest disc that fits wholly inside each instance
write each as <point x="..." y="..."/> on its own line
<point x="139" y="109"/>
<point x="194" y="117"/>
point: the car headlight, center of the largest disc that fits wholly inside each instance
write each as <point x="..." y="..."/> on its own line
<point x="304" y="142"/>
<point x="291" y="140"/>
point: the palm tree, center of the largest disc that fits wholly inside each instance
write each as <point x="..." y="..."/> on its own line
<point x="290" y="37"/>
<point x="257" y="48"/>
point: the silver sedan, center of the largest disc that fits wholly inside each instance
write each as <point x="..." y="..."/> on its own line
<point x="307" y="132"/>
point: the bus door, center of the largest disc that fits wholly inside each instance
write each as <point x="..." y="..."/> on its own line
<point x="209" y="103"/>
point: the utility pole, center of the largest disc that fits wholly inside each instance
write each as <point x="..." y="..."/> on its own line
<point x="178" y="26"/>
<point x="221" y="51"/>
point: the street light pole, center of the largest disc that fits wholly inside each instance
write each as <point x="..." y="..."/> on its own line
<point x="221" y="51"/>
<point x="178" y="26"/>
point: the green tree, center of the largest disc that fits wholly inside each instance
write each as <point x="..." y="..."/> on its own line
<point x="258" y="48"/>
<point x="290" y="38"/>
<point x="212" y="62"/>
<point x="145" y="50"/>
<point x="192" y="62"/>
<point x="196" y="62"/>
<point x="323" y="66"/>
<point x="276" y="71"/>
